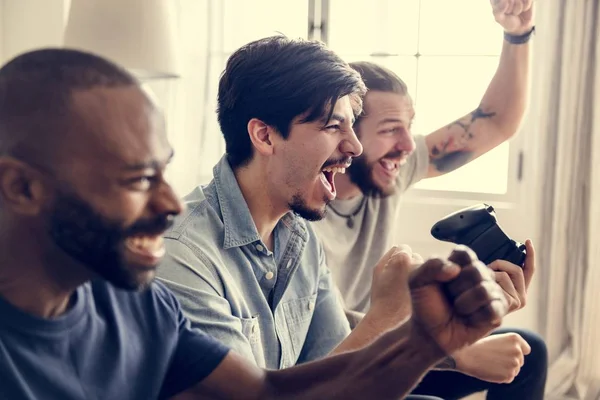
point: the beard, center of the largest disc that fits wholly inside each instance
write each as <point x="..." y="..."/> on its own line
<point x="98" y="242"/>
<point x="360" y="173"/>
<point x="299" y="206"/>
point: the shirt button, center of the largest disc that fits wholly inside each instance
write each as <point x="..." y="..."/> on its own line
<point x="311" y="306"/>
<point x="254" y="328"/>
<point x="259" y="247"/>
<point x="269" y="275"/>
<point x="289" y="263"/>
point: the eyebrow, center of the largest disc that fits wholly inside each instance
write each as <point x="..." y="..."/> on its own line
<point x="154" y="164"/>
<point x="340" y="118"/>
<point x="390" y="120"/>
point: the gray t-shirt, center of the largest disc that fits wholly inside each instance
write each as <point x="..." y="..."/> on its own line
<point x="352" y="253"/>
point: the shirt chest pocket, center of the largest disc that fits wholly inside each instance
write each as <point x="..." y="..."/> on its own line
<point x="298" y="316"/>
<point x="251" y="329"/>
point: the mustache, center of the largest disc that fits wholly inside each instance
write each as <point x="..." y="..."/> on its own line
<point x="150" y="226"/>
<point x="338" y="161"/>
<point x="396" y="154"/>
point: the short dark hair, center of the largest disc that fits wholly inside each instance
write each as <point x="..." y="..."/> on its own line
<point x="36" y="91"/>
<point x="379" y="78"/>
<point x="275" y="80"/>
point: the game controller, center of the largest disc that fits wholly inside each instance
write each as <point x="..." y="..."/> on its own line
<point x="477" y="227"/>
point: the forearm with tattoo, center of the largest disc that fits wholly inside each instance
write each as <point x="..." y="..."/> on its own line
<point x="453" y="153"/>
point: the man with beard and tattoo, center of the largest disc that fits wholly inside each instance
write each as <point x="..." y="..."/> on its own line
<point x="83" y="206"/>
<point x="361" y="223"/>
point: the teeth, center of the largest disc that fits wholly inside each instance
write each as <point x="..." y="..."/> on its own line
<point x="146" y="242"/>
<point x="339" y="170"/>
<point x="389" y="165"/>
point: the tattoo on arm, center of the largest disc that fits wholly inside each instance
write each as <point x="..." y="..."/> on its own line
<point x="451" y="153"/>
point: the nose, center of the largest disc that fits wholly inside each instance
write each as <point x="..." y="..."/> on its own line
<point x="166" y="202"/>
<point x="406" y="142"/>
<point x="351" y="146"/>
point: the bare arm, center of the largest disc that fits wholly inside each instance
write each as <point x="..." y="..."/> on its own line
<point x="400" y="356"/>
<point x="355" y="317"/>
<point x="494" y="121"/>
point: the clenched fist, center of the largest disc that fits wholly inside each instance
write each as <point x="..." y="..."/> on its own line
<point x="390" y="296"/>
<point x="496" y="358"/>
<point x="515" y="16"/>
<point x="455" y="302"/>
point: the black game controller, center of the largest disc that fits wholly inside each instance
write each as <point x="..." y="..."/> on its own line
<point x="477" y="227"/>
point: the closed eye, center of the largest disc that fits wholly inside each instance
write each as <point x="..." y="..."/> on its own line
<point x="141" y="183"/>
<point x="332" y="128"/>
<point x="391" y="131"/>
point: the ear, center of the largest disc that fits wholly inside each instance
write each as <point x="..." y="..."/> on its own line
<point x="22" y="188"/>
<point x="261" y="136"/>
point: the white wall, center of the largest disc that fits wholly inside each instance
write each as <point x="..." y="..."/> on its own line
<point x="30" y="24"/>
<point x="1" y="30"/>
<point x="185" y="105"/>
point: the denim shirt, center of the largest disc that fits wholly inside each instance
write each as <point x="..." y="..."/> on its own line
<point x="277" y="308"/>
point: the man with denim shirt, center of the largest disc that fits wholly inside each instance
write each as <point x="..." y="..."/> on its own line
<point x="236" y="289"/>
<point x="243" y="260"/>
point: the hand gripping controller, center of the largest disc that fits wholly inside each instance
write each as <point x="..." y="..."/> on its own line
<point x="477" y="227"/>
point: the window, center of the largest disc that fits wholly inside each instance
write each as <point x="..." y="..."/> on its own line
<point x="446" y="51"/>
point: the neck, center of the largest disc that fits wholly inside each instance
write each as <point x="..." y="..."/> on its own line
<point x="344" y="187"/>
<point x="264" y="211"/>
<point x="37" y="283"/>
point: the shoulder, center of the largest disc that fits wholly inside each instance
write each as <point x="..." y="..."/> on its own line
<point x="152" y="309"/>
<point x="200" y="209"/>
<point x="155" y="297"/>
<point x="197" y="233"/>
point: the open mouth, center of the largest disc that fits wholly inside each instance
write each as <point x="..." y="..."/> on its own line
<point x="389" y="165"/>
<point x="392" y="166"/>
<point x="327" y="177"/>
<point x="148" y="249"/>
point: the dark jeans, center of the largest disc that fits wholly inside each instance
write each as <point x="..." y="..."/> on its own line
<point x="528" y="385"/>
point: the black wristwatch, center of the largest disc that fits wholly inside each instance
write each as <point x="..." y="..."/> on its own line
<point x="519" y="39"/>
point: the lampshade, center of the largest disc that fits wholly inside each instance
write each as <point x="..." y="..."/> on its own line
<point x="137" y="34"/>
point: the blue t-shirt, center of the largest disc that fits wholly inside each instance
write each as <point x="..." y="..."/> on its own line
<point x="111" y="344"/>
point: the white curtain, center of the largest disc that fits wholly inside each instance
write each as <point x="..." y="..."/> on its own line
<point x="566" y="114"/>
<point x="189" y="103"/>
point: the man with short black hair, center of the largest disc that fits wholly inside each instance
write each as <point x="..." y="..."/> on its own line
<point x="243" y="261"/>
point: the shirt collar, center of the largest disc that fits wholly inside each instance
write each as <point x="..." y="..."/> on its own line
<point x="239" y="226"/>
